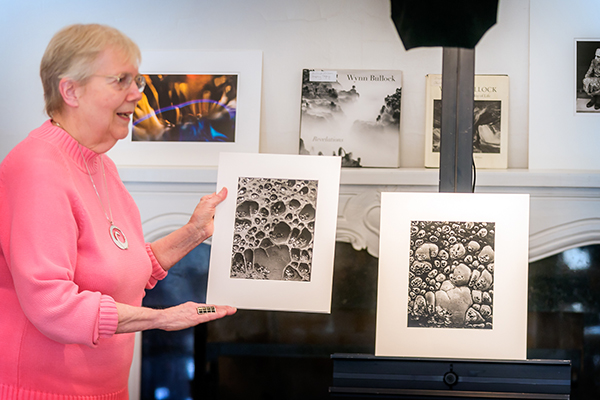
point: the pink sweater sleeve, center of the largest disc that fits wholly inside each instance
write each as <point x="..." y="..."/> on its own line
<point x="158" y="271"/>
<point x="108" y="318"/>
<point x="40" y="237"/>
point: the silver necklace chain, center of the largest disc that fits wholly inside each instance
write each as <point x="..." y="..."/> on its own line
<point x="116" y="234"/>
<point x="110" y="219"/>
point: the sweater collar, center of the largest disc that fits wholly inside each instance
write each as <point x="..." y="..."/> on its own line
<point x="74" y="151"/>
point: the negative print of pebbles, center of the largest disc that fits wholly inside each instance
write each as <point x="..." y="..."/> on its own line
<point x="274" y="229"/>
<point x="451" y="274"/>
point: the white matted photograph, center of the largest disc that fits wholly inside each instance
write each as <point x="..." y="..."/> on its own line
<point x="274" y="239"/>
<point x="587" y="79"/>
<point x="196" y="104"/>
<point x="453" y="276"/>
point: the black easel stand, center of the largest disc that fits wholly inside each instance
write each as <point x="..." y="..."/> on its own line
<point x="457" y="26"/>
<point x="371" y="377"/>
<point x="456" y="137"/>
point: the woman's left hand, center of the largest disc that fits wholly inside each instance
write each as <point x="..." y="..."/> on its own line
<point x="203" y="217"/>
<point x="181" y="316"/>
<point x="169" y="249"/>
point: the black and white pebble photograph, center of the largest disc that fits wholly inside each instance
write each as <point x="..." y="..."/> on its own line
<point x="274" y="229"/>
<point x="451" y="274"/>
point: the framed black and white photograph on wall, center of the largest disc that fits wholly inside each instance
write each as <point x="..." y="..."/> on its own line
<point x="452" y="277"/>
<point x="587" y="75"/>
<point x="274" y="238"/>
<point x="196" y="104"/>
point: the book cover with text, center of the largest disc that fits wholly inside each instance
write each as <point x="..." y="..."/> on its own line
<point x="352" y="113"/>
<point x="490" y="121"/>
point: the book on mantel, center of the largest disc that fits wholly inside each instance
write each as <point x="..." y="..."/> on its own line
<point x="352" y="113"/>
<point x="490" y="121"/>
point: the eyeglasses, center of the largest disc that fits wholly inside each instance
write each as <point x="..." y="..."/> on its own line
<point x="124" y="80"/>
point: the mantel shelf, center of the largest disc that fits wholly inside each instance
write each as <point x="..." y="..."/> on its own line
<point x="564" y="211"/>
<point x="416" y="177"/>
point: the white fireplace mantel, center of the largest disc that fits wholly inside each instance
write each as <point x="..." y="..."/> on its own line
<point x="564" y="213"/>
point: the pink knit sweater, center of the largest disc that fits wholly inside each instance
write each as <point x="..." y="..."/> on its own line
<point x="61" y="274"/>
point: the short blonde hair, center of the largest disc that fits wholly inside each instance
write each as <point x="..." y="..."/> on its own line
<point x="72" y="53"/>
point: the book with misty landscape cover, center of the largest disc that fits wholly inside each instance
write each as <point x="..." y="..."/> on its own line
<point x="354" y="114"/>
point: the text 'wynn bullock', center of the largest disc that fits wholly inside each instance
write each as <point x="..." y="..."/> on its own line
<point x="375" y="78"/>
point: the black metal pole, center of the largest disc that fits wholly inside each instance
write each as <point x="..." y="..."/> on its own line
<point x="456" y="136"/>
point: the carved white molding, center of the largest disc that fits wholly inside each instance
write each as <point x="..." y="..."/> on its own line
<point x="358" y="224"/>
<point x="564" y="213"/>
<point x="358" y="220"/>
<point x="563" y="237"/>
<point x="161" y="225"/>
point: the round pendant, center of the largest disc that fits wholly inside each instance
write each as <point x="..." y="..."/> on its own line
<point x="118" y="237"/>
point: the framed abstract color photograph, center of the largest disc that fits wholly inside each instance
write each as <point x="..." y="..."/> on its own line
<point x="274" y="238"/>
<point x="199" y="108"/>
<point x="196" y="104"/>
<point x="453" y="275"/>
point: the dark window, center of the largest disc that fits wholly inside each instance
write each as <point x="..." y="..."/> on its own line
<point x="286" y="355"/>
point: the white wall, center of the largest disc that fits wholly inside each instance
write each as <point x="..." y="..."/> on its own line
<point x="293" y="34"/>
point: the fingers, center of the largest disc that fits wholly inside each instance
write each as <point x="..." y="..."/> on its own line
<point x="208" y="203"/>
<point x="208" y="313"/>
<point x="203" y="215"/>
<point x="229" y="310"/>
<point x="206" y="309"/>
<point x="217" y="197"/>
<point x="186" y="315"/>
<point x="222" y="194"/>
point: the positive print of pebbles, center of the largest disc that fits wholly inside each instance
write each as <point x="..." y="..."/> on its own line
<point x="451" y="274"/>
<point x="274" y="229"/>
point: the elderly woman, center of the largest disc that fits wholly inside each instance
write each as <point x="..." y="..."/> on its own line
<point x="73" y="262"/>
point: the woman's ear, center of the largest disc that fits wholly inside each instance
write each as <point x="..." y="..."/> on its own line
<point x="69" y="90"/>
